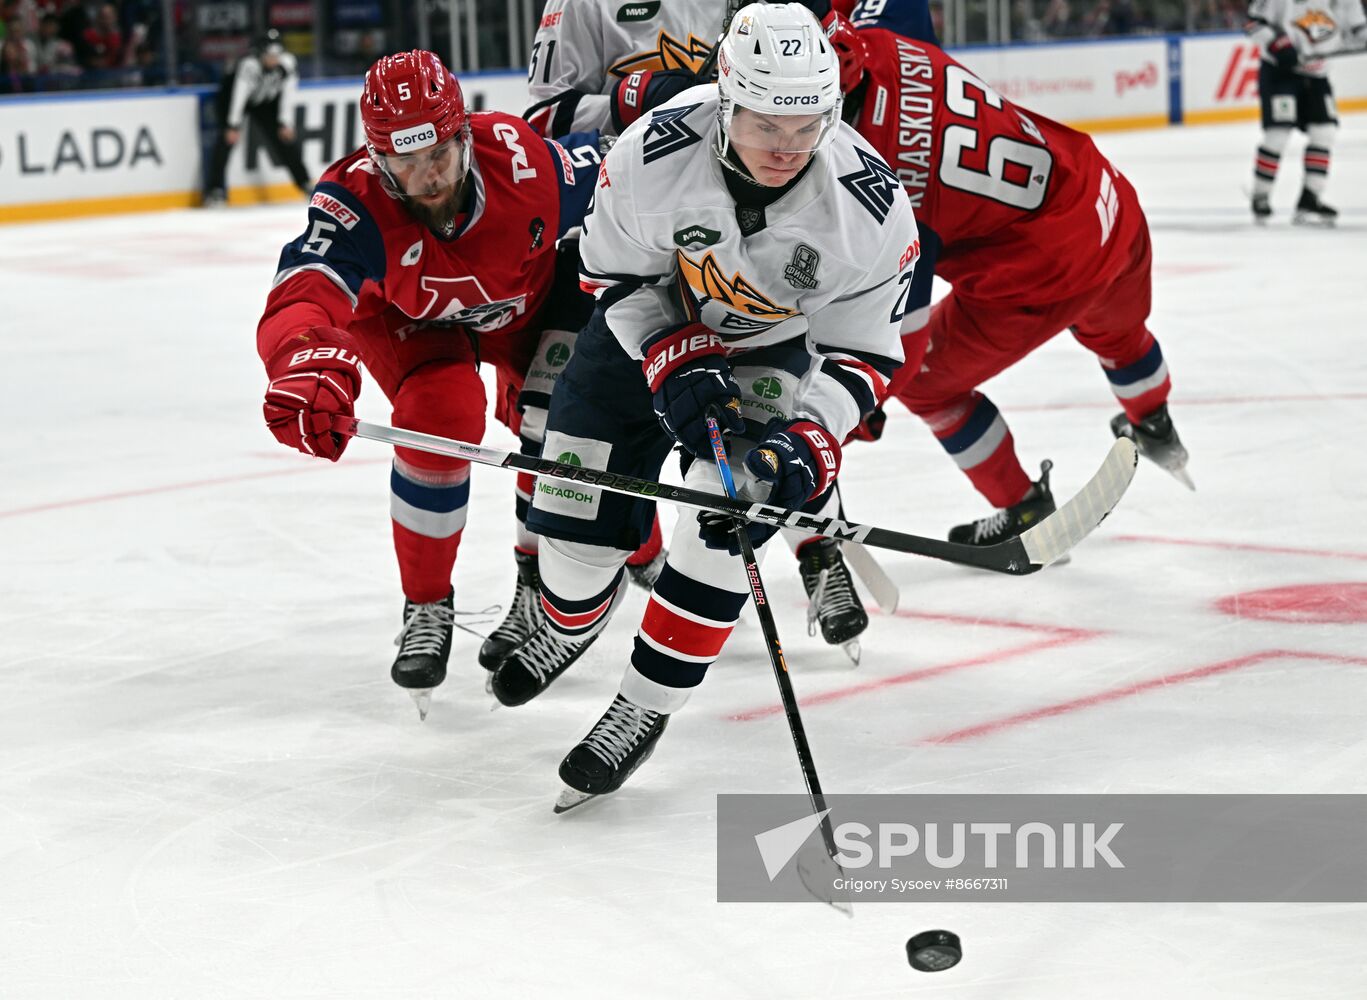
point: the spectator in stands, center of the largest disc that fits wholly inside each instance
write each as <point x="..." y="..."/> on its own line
<point x="1058" y="21"/>
<point x="56" y="57"/>
<point x="104" y="40"/>
<point x="260" y="90"/>
<point x="18" y="57"/>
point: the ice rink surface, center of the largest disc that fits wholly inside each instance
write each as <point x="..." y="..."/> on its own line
<point x="210" y="788"/>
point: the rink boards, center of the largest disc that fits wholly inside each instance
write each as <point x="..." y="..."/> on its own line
<point x="105" y="152"/>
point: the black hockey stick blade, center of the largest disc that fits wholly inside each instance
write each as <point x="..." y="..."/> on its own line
<point x="1027" y="553"/>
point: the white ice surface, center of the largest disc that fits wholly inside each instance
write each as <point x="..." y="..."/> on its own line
<point x="209" y="786"/>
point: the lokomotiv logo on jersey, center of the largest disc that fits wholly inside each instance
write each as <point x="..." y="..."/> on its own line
<point x="747" y="308"/>
<point x="464" y="301"/>
<point x="669" y="53"/>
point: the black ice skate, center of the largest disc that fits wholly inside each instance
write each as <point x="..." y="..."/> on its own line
<point x="1262" y="208"/>
<point x="523" y="618"/>
<point x="1310" y="210"/>
<point x="1010" y="521"/>
<point x="645" y="575"/>
<point x="424" y="647"/>
<point x="1158" y="442"/>
<point x="618" y="744"/>
<point x="530" y="668"/>
<point x="834" y="602"/>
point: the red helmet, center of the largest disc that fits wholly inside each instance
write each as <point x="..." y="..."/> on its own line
<point x="410" y="102"/>
<point x="849" y="48"/>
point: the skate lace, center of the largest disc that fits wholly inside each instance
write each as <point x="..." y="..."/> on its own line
<point x="542" y="653"/>
<point x="990" y="525"/>
<point x="426" y="629"/>
<point x="833" y="595"/>
<point x="521" y="620"/>
<point x="618" y="731"/>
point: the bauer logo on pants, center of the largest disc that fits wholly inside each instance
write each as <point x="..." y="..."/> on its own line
<point x="557" y="496"/>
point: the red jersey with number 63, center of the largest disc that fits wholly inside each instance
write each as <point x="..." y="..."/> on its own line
<point x="1024" y="208"/>
<point x="362" y="253"/>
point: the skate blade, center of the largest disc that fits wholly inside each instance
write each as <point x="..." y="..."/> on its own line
<point x="1183" y="477"/>
<point x="571" y="798"/>
<point x="422" y="697"/>
<point x="853" y="651"/>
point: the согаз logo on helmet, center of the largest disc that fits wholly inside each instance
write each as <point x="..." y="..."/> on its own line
<point x="786" y="99"/>
<point x="417" y="137"/>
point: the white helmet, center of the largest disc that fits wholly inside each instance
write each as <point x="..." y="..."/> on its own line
<point x="776" y="60"/>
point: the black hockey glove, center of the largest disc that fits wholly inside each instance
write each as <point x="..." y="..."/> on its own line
<point x="687" y="372"/>
<point x="1283" y="50"/>
<point x="645" y="89"/>
<point x="800" y="459"/>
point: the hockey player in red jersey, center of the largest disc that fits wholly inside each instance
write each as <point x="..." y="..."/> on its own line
<point x="1036" y="231"/>
<point x="427" y="252"/>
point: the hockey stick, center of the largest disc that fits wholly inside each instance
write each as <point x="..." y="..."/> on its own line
<point x="1026" y="553"/>
<point x="866" y="567"/>
<point x="709" y="63"/>
<point x="785" y="685"/>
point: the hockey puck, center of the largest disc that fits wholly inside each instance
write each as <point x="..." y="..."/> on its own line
<point x="934" y="951"/>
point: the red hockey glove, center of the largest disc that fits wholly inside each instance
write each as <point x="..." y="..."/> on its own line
<point x="314" y="384"/>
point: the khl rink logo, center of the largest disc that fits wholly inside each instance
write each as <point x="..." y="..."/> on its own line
<point x="1054" y="845"/>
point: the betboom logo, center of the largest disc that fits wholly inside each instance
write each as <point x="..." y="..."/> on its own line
<point x="787" y="100"/>
<point x="418" y="137"/>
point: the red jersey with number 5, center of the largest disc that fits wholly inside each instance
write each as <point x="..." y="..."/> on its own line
<point x="1024" y="208"/>
<point x="362" y="253"/>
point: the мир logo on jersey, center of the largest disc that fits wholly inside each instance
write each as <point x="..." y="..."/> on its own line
<point x="747" y="308"/>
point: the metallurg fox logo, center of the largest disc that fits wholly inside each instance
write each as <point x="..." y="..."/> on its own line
<point x="708" y="283"/>
<point x="669" y="53"/>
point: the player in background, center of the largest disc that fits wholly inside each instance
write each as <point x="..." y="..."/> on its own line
<point x="1036" y="231"/>
<point x="602" y="64"/>
<point x="751" y="257"/>
<point x="260" y="89"/>
<point x="1294" y="91"/>
<point x="427" y="252"/>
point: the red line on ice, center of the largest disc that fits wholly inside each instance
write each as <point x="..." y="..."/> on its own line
<point x="1058" y="636"/>
<point x="1338" y="397"/>
<point x="1282" y="550"/>
<point x="1139" y="687"/>
<point x="168" y="488"/>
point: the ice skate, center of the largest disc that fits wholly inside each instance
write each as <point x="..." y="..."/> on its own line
<point x="834" y="602"/>
<point x="1262" y="208"/>
<point x="424" y="647"/>
<point x="1010" y="521"/>
<point x="618" y="744"/>
<point x="1157" y="440"/>
<point x="1311" y="211"/>
<point x="531" y="667"/>
<point x="523" y="616"/>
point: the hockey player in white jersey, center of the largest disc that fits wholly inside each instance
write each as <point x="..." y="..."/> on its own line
<point x="593" y="61"/>
<point x="751" y="256"/>
<point x="602" y="64"/>
<point x="1293" y="88"/>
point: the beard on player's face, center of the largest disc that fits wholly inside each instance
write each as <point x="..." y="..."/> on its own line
<point x="436" y="214"/>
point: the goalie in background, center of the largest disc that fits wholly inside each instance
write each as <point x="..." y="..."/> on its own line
<point x="259" y="89"/>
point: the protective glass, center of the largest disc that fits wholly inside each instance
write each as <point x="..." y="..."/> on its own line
<point x="426" y="171"/>
<point x="782" y="134"/>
